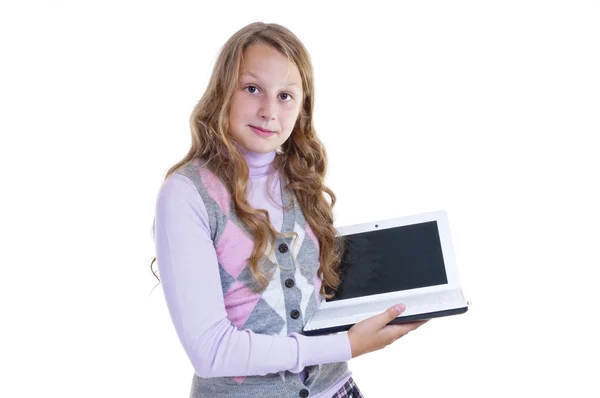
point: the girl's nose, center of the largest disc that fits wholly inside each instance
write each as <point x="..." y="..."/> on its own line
<point x="268" y="110"/>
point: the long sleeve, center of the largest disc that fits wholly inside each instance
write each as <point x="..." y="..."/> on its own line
<point x="191" y="284"/>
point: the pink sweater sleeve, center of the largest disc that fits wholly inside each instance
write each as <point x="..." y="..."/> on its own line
<point x="189" y="274"/>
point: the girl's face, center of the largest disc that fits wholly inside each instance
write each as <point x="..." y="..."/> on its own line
<point x="267" y="100"/>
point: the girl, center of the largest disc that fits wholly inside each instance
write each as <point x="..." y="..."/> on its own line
<point x="245" y="242"/>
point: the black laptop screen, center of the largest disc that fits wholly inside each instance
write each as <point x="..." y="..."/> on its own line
<point x="393" y="259"/>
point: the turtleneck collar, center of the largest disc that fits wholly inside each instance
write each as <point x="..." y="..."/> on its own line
<point x="259" y="164"/>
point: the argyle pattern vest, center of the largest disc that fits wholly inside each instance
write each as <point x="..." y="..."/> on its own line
<point x="281" y="308"/>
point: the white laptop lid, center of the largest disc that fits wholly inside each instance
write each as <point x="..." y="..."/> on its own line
<point x="400" y="256"/>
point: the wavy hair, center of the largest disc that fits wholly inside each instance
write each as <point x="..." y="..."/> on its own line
<point x="301" y="159"/>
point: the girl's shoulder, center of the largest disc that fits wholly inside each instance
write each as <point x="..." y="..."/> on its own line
<point x="195" y="168"/>
<point x="192" y="165"/>
<point x="177" y="185"/>
<point x="198" y="175"/>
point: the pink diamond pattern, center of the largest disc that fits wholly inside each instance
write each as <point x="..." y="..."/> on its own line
<point x="233" y="249"/>
<point x="239" y="379"/>
<point x="239" y="303"/>
<point x="216" y="190"/>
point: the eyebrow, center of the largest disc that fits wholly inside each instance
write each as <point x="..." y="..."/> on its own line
<point x="257" y="78"/>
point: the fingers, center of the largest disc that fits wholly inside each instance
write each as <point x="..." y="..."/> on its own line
<point x="415" y="325"/>
<point x="390" y="314"/>
<point x="403" y="329"/>
<point x="394" y="332"/>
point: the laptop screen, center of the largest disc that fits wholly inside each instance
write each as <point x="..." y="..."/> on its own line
<point x="390" y="260"/>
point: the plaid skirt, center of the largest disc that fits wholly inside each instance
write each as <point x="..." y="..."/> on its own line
<point x="348" y="390"/>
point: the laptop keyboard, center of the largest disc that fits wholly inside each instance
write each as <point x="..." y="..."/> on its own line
<point x="415" y="304"/>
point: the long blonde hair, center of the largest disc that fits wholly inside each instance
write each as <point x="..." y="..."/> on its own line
<point x="302" y="158"/>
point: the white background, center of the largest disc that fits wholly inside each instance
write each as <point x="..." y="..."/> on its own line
<point x="489" y="110"/>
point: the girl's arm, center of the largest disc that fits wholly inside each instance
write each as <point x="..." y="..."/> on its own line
<point x="191" y="284"/>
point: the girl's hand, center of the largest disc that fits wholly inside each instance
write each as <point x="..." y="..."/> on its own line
<point x="374" y="333"/>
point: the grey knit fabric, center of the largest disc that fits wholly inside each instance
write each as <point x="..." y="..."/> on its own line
<point x="273" y="306"/>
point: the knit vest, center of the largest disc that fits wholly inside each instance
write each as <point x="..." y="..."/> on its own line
<point x="278" y="309"/>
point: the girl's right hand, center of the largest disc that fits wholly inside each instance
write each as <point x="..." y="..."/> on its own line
<point x="374" y="333"/>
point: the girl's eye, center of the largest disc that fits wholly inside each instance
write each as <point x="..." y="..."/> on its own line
<point x="283" y="96"/>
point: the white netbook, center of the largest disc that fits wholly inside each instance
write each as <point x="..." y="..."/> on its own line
<point x="407" y="260"/>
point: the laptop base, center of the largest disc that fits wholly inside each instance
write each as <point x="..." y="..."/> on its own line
<point x="398" y="320"/>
